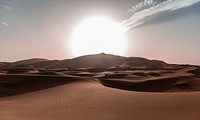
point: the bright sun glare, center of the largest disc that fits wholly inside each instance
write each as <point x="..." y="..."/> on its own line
<point x="97" y="35"/>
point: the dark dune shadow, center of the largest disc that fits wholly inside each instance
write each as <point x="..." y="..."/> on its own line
<point x="173" y="84"/>
<point x="196" y="72"/>
<point x="154" y="74"/>
<point x="143" y="86"/>
<point x="115" y="75"/>
<point x="140" y="74"/>
<point x="19" y="84"/>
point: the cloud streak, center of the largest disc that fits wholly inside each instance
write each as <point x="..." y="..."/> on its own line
<point x="6" y="7"/>
<point x="5" y="24"/>
<point x="151" y="7"/>
<point x="142" y="5"/>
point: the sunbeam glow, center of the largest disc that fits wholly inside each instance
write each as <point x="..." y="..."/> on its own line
<point x="97" y="35"/>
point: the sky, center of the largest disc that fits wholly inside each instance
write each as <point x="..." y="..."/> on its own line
<point x="167" y="30"/>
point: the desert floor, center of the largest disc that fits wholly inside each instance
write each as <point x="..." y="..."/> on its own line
<point x="104" y="95"/>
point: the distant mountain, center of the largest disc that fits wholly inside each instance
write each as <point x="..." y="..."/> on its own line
<point x="5" y="64"/>
<point x="29" y="61"/>
<point x="92" y="61"/>
<point x="45" y="64"/>
<point x="107" y="60"/>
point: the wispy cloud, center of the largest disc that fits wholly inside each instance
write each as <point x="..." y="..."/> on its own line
<point x="151" y="7"/>
<point x="142" y="5"/>
<point x="4" y="23"/>
<point x="6" y="7"/>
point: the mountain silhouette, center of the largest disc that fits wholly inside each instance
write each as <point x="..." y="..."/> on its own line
<point x="92" y="61"/>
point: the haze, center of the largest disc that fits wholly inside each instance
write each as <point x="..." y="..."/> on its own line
<point x="43" y="28"/>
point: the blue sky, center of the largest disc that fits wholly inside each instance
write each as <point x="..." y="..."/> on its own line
<point x="42" y="28"/>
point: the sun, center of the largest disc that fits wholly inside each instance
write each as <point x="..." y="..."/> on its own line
<point x="98" y="35"/>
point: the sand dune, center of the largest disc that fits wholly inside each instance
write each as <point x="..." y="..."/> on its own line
<point x="17" y="84"/>
<point x="88" y="100"/>
<point x="157" y="81"/>
<point x="171" y="92"/>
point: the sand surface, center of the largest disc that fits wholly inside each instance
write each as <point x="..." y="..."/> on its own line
<point x="108" y="95"/>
